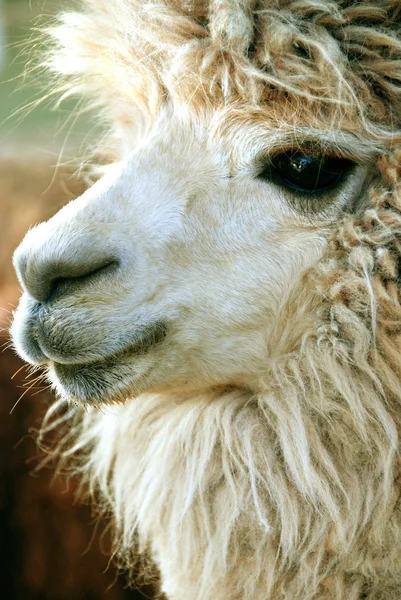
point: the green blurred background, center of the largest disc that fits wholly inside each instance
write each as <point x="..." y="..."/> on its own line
<point x="49" y="549"/>
<point x="27" y="122"/>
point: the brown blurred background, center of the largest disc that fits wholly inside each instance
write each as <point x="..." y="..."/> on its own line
<point x="49" y="546"/>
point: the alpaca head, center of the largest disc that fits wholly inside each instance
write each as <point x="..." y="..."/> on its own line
<point x="244" y="136"/>
<point x="172" y="269"/>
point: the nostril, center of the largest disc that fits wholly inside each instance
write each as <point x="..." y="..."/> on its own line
<point x="46" y="278"/>
<point x="64" y="285"/>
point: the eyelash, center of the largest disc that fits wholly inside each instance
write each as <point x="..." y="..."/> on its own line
<point x="308" y="174"/>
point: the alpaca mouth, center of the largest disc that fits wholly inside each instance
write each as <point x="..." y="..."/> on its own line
<point x="49" y="335"/>
<point x="80" y="370"/>
<point x="108" y="379"/>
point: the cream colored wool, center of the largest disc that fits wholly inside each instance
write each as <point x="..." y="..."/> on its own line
<point x="285" y="484"/>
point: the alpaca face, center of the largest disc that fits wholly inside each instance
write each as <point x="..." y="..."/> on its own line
<point x="173" y="270"/>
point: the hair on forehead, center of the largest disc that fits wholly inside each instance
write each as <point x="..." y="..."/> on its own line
<point x="336" y="60"/>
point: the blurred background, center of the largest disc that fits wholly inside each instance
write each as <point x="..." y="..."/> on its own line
<point x="50" y="548"/>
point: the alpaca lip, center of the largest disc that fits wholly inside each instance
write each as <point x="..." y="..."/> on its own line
<point x="146" y="338"/>
<point x="36" y="334"/>
<point x="93" y="382"/>
<point x="101" y="380"/>
<point x="149" y="336"/>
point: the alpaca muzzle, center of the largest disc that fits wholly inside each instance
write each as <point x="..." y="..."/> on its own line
<point x="66" y="269"/>
<point x="54" y="272"/>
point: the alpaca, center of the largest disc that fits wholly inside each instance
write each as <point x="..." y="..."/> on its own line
<point x="219" y="314"/>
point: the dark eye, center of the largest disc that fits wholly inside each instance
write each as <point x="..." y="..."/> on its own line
<point x="307" y="173"/>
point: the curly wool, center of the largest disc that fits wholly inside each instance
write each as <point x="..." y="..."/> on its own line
<point x="292" y="490"/>
<point x="338" y="62"/>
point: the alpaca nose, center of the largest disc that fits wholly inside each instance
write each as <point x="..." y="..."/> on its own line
<point x="46" y="271"/>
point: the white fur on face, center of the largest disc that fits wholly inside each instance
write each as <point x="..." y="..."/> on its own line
<point x="204" y="255"/>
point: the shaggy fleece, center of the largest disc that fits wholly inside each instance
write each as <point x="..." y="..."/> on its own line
<point x="314" y="61"/>
<point x="290" y="491"/>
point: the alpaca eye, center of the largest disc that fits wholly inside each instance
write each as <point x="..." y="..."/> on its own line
<point x="307" y="173"/>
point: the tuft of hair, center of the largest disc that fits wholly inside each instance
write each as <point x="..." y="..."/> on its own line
<point x="128" y="58"/>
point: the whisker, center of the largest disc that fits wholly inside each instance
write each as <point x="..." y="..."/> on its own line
<point x="7" y="346"/>
<point x="18" y="371"/>
<point x="19" y="399"/>
<point x="43" y="389"/>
